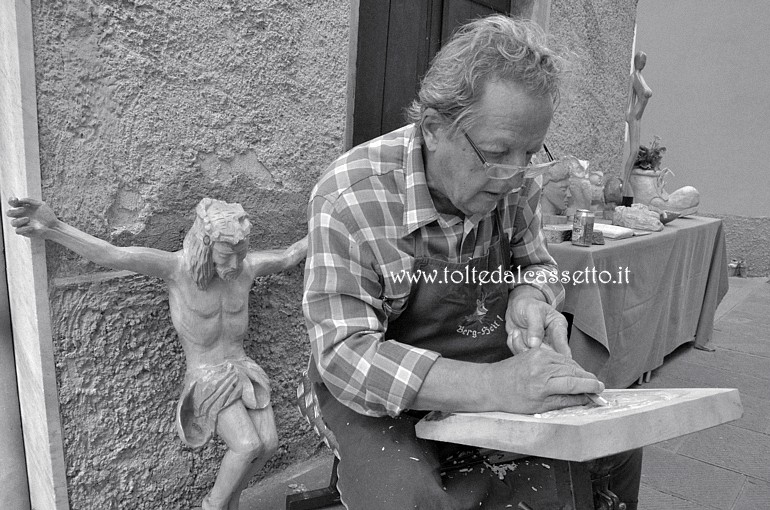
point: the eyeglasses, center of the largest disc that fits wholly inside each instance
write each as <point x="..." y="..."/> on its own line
<point x="504" y="172"/>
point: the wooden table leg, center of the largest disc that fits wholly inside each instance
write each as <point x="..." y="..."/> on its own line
<point x="573" y="485"/>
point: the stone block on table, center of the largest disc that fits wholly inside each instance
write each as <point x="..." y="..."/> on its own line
<point x="557" y="233"/>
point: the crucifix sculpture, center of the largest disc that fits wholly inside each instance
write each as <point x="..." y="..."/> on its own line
<point x="225" y="392"/>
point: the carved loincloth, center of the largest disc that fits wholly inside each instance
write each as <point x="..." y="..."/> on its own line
<point x="211" y="388"/>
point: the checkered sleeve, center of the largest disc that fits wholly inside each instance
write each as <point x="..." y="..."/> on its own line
<point x="345" y="319"/>
<point x="530" y="250"/>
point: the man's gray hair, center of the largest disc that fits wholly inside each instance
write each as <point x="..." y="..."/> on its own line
<point x="493" y="48"/>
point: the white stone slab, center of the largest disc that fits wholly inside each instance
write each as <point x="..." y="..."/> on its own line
<point x="634" y="418"/>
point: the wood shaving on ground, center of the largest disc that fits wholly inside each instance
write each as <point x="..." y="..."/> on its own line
<point x="501" y="469"/>
<point x="297" y="487"/>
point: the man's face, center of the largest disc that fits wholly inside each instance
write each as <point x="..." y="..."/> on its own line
<point x="228" y="259"/>
<point x="511" y="126"/>
<point x="557" y="193"/>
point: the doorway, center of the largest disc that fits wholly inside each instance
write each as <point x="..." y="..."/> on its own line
<point x="396" y="41"/>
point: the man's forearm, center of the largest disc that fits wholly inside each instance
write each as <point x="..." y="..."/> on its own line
<point x="455" y="386"/>
<point x="534" y="381"/>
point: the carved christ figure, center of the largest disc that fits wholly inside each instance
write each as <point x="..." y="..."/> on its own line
<point x="639" y="95"/>
<point x="209" y="279"/>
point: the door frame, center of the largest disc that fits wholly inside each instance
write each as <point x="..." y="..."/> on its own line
<point x="27" y="278"/>
<point x="14" y="486"/>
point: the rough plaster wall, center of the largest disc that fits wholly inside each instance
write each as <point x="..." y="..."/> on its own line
<point x="747" y="239"/>
<point x="118" y="363"/>
<point x="589" y="122"/>
<point x="119" y="366"/>
<point x="145" y="107"/>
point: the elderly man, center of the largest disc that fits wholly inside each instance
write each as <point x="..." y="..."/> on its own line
<point x="209" y="280"/>
<point x="401" y="319"/>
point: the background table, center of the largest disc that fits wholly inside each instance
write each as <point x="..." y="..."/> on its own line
<point x="676" y="279"/>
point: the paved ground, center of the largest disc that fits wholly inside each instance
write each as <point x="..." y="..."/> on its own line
<point x="724" y="468"/>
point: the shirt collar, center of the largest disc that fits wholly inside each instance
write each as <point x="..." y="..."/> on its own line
<point x="419" y="209"/>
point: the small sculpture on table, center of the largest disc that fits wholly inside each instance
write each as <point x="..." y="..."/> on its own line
<point x="556" y="184"/>
<point x="639" y="95"/>
<point x="637" y="217"/>
<point x="613" y="192"/>
<point x="580" y="186"/>
<point x="209" y="279"/>
<point x="567" y="186"/>
<point x="596" y="178"/>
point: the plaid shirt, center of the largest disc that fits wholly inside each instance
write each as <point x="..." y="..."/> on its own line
<point x="363" y="216"/>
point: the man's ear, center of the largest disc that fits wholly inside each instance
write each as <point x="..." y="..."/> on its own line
<point x="434" y="128"/>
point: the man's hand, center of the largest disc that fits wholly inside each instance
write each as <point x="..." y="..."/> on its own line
<point x="539" y="380"/>
<point x="32" y="218"/>
<point x="532" y="323"/>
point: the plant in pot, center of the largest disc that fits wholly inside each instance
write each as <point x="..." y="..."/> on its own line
<point x="648" y="182"/>
<point x="649" y="158"/>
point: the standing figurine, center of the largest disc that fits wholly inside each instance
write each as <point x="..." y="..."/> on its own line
<point x="639" y="95"/>
<point x="579" y="184"/>
<point x="209" y="279"/>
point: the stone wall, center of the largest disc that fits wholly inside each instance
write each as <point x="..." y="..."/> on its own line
<point x="145" y="107"/>
<point x="589" y="122"/>
<point x="747" y="239"/>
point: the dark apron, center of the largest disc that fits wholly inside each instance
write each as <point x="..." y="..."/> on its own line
<point x="463" y="321"/>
